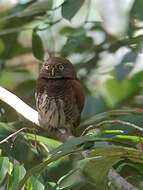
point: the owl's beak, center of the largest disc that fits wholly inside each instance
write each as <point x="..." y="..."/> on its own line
<point x="53" y="71"/>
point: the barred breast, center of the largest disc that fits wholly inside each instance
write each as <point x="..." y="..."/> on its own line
<point x="56" y="104"/>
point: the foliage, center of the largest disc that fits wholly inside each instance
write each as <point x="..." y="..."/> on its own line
<point x="104" y="41"/>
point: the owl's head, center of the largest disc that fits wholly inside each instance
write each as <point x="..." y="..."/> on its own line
<point x="57" y="67"/>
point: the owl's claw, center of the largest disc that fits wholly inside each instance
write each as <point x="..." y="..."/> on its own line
<point x="62" y="131"/>
<point x="59" y="133"/>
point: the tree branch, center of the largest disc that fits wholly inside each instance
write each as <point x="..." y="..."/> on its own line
<point x="119" y="182"/>
<point x="16" y="103"/>
<point x="30" y="114"/>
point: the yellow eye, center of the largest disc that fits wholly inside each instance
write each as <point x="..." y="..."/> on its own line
<point x="61" y="67"/>
<point x="47" y="67"/>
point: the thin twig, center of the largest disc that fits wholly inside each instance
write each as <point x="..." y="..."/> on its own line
<point x="15" y="134"/>
<point x="110" y="114"/>
<point x="98" y="125"/>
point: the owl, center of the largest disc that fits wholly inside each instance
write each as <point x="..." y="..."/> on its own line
<point x="59" y="98"/>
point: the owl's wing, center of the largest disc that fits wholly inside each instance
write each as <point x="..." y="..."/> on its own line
<point x="79" y="94"/>
<point x="39" y="93"/>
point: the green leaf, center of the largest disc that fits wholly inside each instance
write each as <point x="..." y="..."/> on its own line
<point x="72" y="144"/>
<point x="37" y="7"/>
<point x="29" y="184"/>
<point x="137" y="9"/>
<point x="70" y="8"/>
<point x="51" y="143"/>
<point x="96" y="169"/>
<point x="112" y="131"/>
<point x="35" y="184"/>
<point x="119" y="152"/>
<point x="136" y="180"/>
<point x="67" y="148"/>
<point x="17" y="175"/>
<point x="4" y="167"/>
<point x="51" y="186"/>
<point x="10" y="79"/>
<point x="71" y="180"/>
<point x="78" y="43"/>
<point x="67" y="30"/>
<point x="75" y="145"/>
<point x="135" y="166"/>
<point x="2" y="46"/>
<point x="115" y="91"/>
<point x="37" y="45"/>
<point x="71" y="31"/>
<point x="129" y="138"/>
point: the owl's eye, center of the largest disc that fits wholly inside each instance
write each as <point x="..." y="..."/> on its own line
<point x="47" y="67"/>
<point x="61" y="67"/>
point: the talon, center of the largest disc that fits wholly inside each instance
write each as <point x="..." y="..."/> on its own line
<point x="63" y="131"/>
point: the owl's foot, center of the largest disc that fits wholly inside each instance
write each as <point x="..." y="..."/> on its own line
<point x="59" y="133"/>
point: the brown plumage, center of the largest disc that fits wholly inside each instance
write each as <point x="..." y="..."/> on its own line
<point x="59" y="98"/>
